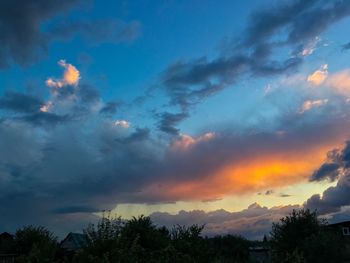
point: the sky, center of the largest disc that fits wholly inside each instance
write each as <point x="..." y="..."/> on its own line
<point x="226" y="114"/>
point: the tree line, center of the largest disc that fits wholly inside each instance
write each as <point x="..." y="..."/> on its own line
<point x="300" y="237"/>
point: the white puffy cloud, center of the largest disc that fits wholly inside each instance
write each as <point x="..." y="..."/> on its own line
<point x="46" y="107"/>
<point x="122" y="123"/>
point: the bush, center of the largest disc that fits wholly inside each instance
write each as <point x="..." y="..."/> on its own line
<point x="35" y="245"/>
<point x="303" y="237"/>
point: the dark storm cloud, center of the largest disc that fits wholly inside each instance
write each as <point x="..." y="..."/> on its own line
<point x="335" y="197"/>
<point x="20" y="102"/>
<point x="346" y="46"/>
<point x="110" y="108"/>
<point x="20" y="33"/>
<point x="45" y="118"/>
<point x="190" y="83"/>
<point x="56" y="174"/>
<point x="140" y="134"/>
<point x="265" y="23"/>
<point x="88" y="94"/>
<point x="168" y="122"/>
<point x="26" y="31"/>
<point x="27" y="108"/>
<point x="299" y="22"/>
<point x="326" y="171"/>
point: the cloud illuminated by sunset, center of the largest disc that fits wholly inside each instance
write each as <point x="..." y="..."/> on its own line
<point x="319" y="76"/>
<point x="104" y="104"/>
<point x="71" y="76"/>
<point x="187" y="141"/>
<point x="339" y="82"/>
<point x="309" y="104"/>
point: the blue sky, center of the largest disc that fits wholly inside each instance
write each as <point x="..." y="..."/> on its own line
<point x="181" y="110"/>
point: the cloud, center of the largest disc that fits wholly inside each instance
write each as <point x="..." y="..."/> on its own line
<point x="328" y="171"/>
<point x="252" y="223"/>
<point x="71" y="76"/>
<point x="20" y="102"/>
<point x="186" y="141"/>
<point x="75" y="209"/>
<point x="169" y="120"/>
<point x="110" y="108"/>
<point x="310" y="104"/>
<point x="66" y="101"/>
<point x="29" y="27"/>
<point x="46" y="107"/>
<point x="269" y="192"/>
<point x="122" y="123"/>
<point x="346" y="46"/>
<point x="44" y="118"/>
<point x="58" y="164"/>
<point x="310" y="47"/>
<point x="188" y="83"/>
<point x="340" y="82"/>
<point x="88" y="94"/>
<point x="267" y="160"/>
<point x="319" y="76"/>
<point x="21" y="35"/>
<point x="335" y="197"/>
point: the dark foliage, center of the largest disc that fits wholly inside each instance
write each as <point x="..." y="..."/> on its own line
<point x="300" y="237"/>
<point x="303" y="237"/>
<point x="139" y="240"/>
<point x="35" y="245"/>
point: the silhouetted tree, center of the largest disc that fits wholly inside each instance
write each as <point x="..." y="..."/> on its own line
<point x="102" y="240"/>
<point x="229" y="248"/>
<point x="35" y="245"/>
<point x="140" y="240"/>
<point x="6" y="244"/>
<point x="302" y="237"/>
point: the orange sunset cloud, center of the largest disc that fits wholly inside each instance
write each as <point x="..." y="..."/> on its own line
<point x="251" y="173"/>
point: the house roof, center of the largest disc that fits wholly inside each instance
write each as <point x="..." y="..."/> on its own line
<point x="6" y="235"/>
<point x="343" y="223"/>
<point x="73" y="241"/>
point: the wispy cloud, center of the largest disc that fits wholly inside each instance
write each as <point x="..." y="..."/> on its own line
<point x="339" y="82"/>
<point x="188" y="83"/>
<point x="186" y="141"/>
<point x="310" y="104"/>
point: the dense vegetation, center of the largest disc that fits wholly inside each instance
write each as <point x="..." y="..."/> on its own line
<point x="299" y="237"/>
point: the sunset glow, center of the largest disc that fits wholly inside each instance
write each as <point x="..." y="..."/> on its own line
<point x="229" y="113"/>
